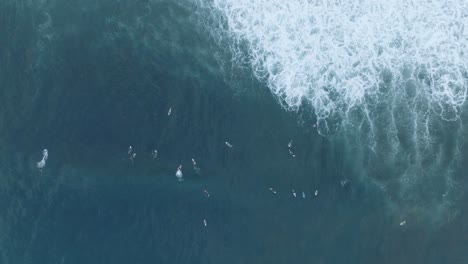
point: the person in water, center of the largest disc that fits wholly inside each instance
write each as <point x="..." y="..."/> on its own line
<point x="129" y="150"/>
<point x="195" y="168"/>
<point x="290" y="145"/>
<point x="41" y="164"/>
<point x="179" y="174"/>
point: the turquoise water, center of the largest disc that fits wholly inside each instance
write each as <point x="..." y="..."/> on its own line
<point x="88" y="79"/>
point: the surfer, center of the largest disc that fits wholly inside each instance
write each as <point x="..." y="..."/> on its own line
<point x="129" y="150"/>
<point x="45" y="154"/>
<point x="41" y="164"/>
<point x="170" y="111"/>
<point x="343" y="182"/>
<point x="155" y="154"/>
<point x="228" y="144"/>
<point x="290" y="144"/>
<point x="179" y="174"/>
<point x="195" y="168"/>
<point x="207" y="194"/>
<point x="272" y="190"/>
<point x="316" y="192"/>
<point x="294" y="193"/>
<point x="290" y="149"/>
<point x="303" y="195"/>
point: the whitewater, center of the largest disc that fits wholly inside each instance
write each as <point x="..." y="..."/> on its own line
<point x="391" y="76"/>
<point x="338" y="54"/>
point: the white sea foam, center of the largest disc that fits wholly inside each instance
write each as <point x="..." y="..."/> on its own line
<point x="393" y="73"/>
<point x="336" y="55"/>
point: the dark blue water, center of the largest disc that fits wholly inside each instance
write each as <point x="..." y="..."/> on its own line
<point x="87" y="79"/>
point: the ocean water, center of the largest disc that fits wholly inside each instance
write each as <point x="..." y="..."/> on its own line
<point x="353" y="113"/>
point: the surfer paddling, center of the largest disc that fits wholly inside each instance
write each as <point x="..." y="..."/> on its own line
<point x="179" y="174"/>
<point x="291" y="152"/>
<point x="195" y="168"/>
<point x="41" y="164"/>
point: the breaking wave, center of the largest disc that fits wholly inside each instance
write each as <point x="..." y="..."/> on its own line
<point x="337" y="55"/>
<point x="396" y="72"/>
